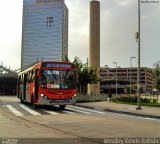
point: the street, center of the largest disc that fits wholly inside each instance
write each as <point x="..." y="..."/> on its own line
<point x="78" y="124"/>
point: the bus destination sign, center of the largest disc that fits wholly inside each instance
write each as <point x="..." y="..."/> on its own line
<point x="57" y="65"/>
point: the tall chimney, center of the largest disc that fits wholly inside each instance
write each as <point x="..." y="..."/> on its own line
<point x="94" y="43"/>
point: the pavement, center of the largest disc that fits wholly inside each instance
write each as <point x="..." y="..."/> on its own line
<point x="148" y="112"/>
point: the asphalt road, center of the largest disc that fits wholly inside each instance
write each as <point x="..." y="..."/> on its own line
<point x="74" y="125"/>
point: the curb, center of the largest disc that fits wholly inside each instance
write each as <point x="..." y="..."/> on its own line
<point x="123" y="112"/>
<point x="133" y="114"/>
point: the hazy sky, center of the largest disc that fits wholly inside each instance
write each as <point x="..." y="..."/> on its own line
<point x="118" y="25"/>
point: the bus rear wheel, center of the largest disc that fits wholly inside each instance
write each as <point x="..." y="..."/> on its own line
<point x="62" y="107"/>
<point x="21" y="99"/>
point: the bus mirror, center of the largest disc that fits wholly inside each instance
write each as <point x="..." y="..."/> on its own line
<point x="43" y="81"/>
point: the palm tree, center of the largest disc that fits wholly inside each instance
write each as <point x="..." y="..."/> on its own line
<point x="86" y="75"/>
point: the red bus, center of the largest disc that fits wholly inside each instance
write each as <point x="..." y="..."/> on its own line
<point x="48" y="83"/>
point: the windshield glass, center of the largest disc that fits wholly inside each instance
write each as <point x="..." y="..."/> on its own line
<point x="56" y="79"/>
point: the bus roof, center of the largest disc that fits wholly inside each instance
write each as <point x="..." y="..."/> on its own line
<point x="48" y="65"/>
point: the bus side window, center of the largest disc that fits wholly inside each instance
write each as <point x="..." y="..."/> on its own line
<point x="31" y="76"/>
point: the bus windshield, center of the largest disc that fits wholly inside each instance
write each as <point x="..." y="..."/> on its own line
<point x="58" y="79"/>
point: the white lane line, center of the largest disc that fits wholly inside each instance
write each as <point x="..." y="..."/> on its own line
<point x="50" y="112"/>
<point x="69" y="108"/>
<point x="137" y="117"/>
<point x="94" y="111"/>
<point x="29" y="110"/>
<point x="16" y="112"/>
<point x="154" y="119"/>
<point x="68" y="112"/>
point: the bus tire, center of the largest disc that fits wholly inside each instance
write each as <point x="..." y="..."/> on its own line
<point x="21" y="100"/>
<point x="62" y="107"/>
<point x="34" y="106"/>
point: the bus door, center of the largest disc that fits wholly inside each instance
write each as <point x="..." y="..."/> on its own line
<point x="24" y="87"/>
<point x="18" y="86"/>
<point x="36" y="84"/>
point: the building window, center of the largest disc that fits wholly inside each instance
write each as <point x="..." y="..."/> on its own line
<point x="49" y="21"/>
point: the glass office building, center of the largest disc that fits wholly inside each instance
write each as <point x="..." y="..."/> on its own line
<point x="44" y="31"/>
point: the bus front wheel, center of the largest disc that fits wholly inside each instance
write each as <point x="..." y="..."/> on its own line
<point x="62" y="107"/>
<point x="34" y="106"/>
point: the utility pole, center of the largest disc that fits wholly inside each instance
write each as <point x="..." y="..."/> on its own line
<point x="116" y="76"/>
<point x="131" y="74"/>
<point x="138" y="70"/>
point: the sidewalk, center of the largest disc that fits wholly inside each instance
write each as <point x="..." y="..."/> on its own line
<point x="150" y="112"/>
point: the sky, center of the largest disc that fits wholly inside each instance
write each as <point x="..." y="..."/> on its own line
<point x="119" y="22"/>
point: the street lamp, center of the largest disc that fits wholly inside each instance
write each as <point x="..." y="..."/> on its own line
<point x="116" y="76"/>
<point x="107" y="67"/>
<point x="138" y="70"/>
<point x="130" y="74"/>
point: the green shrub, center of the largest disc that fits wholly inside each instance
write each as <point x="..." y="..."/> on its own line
<point x="154" y="101"/>
<point x="145" y="100"/>
<point x="131" y="99"/>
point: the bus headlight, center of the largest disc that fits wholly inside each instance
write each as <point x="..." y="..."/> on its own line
<point x="45" y="97"/>
<point x="74" y="96"/>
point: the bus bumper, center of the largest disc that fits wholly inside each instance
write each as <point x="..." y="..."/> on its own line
<point x="45" y="101"/>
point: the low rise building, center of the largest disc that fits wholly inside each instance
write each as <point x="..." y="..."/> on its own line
<point x="126" y="77"/>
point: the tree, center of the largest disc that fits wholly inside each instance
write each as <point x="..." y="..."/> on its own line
<point x="86" y="75"/>
<point x="157" y="76"/>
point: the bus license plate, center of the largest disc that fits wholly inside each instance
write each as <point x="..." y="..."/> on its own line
<point x="59" y="101"/>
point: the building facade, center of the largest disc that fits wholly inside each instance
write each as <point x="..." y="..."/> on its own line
<point x="156" y="64"/>
<point x="44" y="31"/>
<point x="127" y="77"/>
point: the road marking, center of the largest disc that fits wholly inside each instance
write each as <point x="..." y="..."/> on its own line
<point x="50" y="112"/>
<point x="94" y="111"/>
<point x="154" y="119"/>
<point x="72" y="108"/>
<point x="137" y="117"/>
<point x="29" y="110"/>
<point x="16" y="112"/>
<point x="68" y="112"/>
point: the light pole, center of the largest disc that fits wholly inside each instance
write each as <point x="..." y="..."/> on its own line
<point x="107" y="73"/>
<point x="107" y="67"/>
<point x="131" y="74"/>
<point x="116" y="76"/>
<point x="138" y="70"/>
